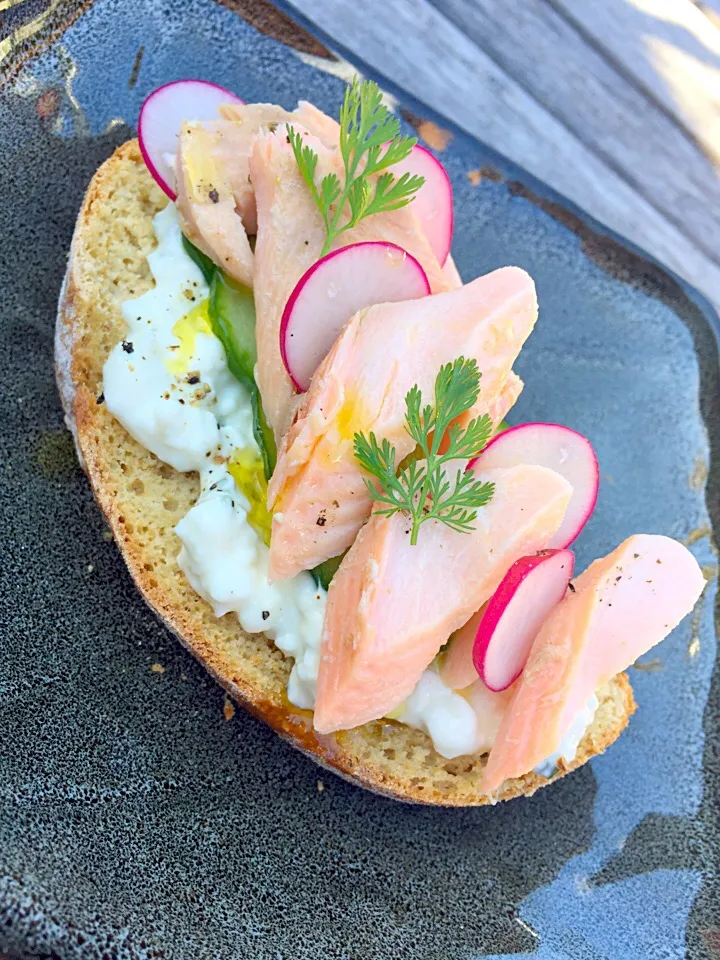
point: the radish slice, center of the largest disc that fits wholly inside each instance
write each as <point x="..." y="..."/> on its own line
<point x="433" y="203"/>
<point x="333" y="290"/>
<point x="163" y="113"/>
<point x="561" y="449"/>
<point x="530" y="590"/>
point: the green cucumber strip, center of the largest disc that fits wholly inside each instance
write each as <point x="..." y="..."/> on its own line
<point x="232" y="317"/>
<point x="324" y="572"/>
<point x="202" y="260"/>
<point x="264" y="437"/>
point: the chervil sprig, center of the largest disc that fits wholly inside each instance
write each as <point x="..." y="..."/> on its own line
<point x="370" y="142"/>
<point x="423" y="488"/>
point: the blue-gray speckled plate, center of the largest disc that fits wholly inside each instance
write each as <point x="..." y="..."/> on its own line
<point x="135" y="819"/>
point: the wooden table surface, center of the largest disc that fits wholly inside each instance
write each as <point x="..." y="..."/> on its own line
<point x="615" y="103"/>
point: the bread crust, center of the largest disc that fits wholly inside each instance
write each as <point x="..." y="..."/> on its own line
<point x="107" y="265"/>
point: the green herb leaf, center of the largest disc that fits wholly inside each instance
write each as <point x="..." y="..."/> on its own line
<point x="370" y="142"/>
<point x="423" y="488"/>
<point x="391" y="194"/>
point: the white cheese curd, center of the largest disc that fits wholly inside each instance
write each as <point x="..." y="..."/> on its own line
<point x="227" y="564"/>
<point x="169" y="385"/>
<point x="467" y="722"/>
<point x="571" y="741"/>
<point x="443" y="714"/>
<point x="175" y="417"/>
<point x="458" y="723"/>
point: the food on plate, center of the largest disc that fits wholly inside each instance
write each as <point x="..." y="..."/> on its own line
<point x="215" y="197"/>
<point x="291" y="411"/>
<point x="618" y="609"/>
<point x="511" y="619"/>
<point x="338" y="286"/>
<point x="433" y="205"/>
<point x="162" y="116"/>
<point x="293" y="235"/>
<point x="358" y="388"/>
<point x="389" y="611"/>
<point x="559" y="448"/>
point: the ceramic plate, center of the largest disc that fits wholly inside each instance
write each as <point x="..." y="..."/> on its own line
<point x="139" y="817"/>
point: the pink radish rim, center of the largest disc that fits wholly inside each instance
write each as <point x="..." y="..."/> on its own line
<point x="451" y="204"/>
<point x="449" y="191"/>
<point x="287" y="312"/>
<point x="496" y="607"/>
<point x="560" y="426"/>
<point x="233" y="98"/>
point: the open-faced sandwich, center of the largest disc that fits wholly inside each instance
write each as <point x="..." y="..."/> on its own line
<point x="291" y="411"/>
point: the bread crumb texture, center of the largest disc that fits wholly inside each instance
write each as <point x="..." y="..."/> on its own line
<point x="143" y="499"/>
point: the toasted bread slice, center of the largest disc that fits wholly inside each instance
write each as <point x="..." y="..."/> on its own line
<point x="143" y="499"/>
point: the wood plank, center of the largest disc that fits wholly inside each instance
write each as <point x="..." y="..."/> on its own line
<point x="669" y="47"/>
<point x="535" y="45"/>
<point x="416" y="47"/>
<point x="708" y="7"/>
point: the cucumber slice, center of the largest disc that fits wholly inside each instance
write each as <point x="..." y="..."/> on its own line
<point x="232" y="317"/>
<point x="207" y="267"/>
<point x="324" y="572"/>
